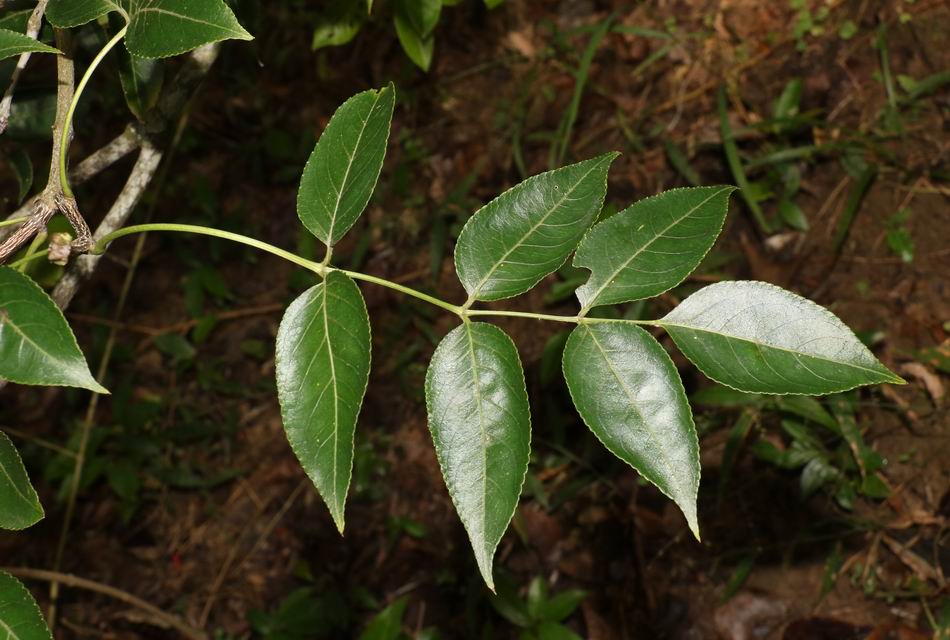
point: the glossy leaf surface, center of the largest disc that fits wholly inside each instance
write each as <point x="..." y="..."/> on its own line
<point x="629" y="394"/>
<point x="651" y="246"/>
<point x="13" y="44"/>
<point x="759" y="338"/>
<point x="20" y="617"/>
<point x="323" y="361"/>
<point x="36" y="344"/>
<point x="481" y="427"/>
<point x="529" y="231"/>
<point x="157" y="28"/>
<point x="19" y="505"/>
<point x="342" y="171"/>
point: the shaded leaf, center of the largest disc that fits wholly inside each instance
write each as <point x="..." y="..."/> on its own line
<point x="338" y="23"/>
<point x="141" y="80"/>
<point x="20" y="617"/>
<point x="22" y="166"/>
<point x="759" y="338"/>
<point x="323" y="361"/>
<point x="342" y="171"/>
<point x="651" y="246"/>
<point x="417" y="47"/>
<point x="36" y="345"/>
<point x="72" y="13"/>
<point x="481" y="426"/>
<point x="19" y="505"/>
<point x="629" y="394"/>
<point x="528" y="232"/>
<point x="422" y="14"/>
<point x="13" y="44"/>
<point x="387" y="625"/>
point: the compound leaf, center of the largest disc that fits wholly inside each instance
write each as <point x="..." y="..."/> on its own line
<point x="528" y="232"/>
<point x="20" y="617"/>
<point x="342" y="171"/>
<point x="323" y="361"/>
<point x="157" y="28"/>
<point x="19" y="505"/>
<point x="759" y="338"/>
<point x="13" y="44"/>
<point x="481" y="428"/>
<point x="629" y="394"/>
<point x="651" y="246"/>
<point x="36" y="345"/>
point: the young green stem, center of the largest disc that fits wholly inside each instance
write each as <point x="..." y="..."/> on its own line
<point x="13" y="221"/>
<point x="321" y="269"/>
<point x="356" y="275"/>
<point x="68" y="123"/>
<point x="100" y="246"/>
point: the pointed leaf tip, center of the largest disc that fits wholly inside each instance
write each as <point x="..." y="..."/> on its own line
<point x="629" y="394"/>
<point x="322" y="366"/>
<point x="529" y="231"/>
<point x="478" y="413"/>
<point x="651" y="246"/>
<point x="37" y="347"/>
<point x="759" y="338"/>
<point x="344" y="167"/>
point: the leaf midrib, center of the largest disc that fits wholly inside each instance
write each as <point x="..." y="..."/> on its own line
<point x="593" y="299"/>
<point x="5" y="319"/>
<point x="548" y="214"/>
<point x="336" y="397"/>
<point x="181" y="16"/>
<point x="481" y="426"/>
<point x="349" y="166"/>
<point x="633" y="404"/>
<point x="13" y="484"/>
<point x="759" y="344"/>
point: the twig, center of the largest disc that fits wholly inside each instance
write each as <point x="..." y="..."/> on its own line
<point x="84" y="266"/>
<point x="159" y="617"/>
<point x="124" y="144"/>
<point x="47" y="203"/>
<point x="32" y="30"/>
<point x="166" y="111"/>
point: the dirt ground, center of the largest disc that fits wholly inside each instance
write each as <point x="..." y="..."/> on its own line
<point x="225" y="522"/>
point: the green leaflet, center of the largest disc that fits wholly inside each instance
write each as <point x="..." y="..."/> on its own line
<point x="157" y="28"/>
<point x="19" y="505"/>
<point x="13" y="44"/>
<point x="20" y="617"/>
<point x="323" y="361"/>
<point x="342" y="171"/>
<point x="628" y="392"/>
<point x="651" y="246"/>
<point x="481" y="428"/>
<point x="36" y="344"/>
<point x="759" y="338"/>
<point x="528" y="232"/>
